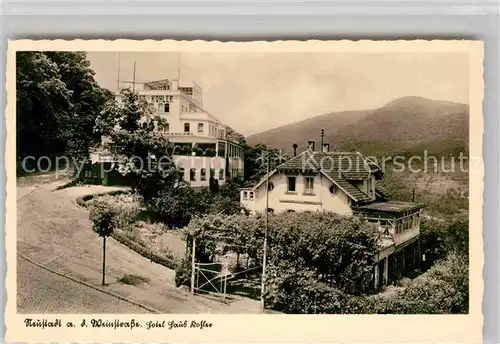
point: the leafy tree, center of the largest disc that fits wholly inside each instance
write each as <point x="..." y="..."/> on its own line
<point x="87" y="101"/>
<point x="439" y="238"/>
<point x="256" y="159"/>
<point x="57" y="103"/>
<point x="130" y="127"/>
<point x="103" y="218"/>
<point x="42" y="106"/>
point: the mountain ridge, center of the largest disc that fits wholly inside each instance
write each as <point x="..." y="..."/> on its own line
<point x="402" y="125"/>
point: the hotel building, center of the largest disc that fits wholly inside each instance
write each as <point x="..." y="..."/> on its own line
<point x="204" y="146"/>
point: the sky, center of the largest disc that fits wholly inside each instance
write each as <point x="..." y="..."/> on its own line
<point x="255" y="92"/>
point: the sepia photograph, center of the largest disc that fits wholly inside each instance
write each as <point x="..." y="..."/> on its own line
<point x="245" y="182"/>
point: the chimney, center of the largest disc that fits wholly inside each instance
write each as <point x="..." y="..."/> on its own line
<point x="326" y="147"/>
<point x="311" y="145"/>
<point x="295" y="149"/>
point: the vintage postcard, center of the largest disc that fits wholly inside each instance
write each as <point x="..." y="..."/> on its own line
<point x="195" y="191"/>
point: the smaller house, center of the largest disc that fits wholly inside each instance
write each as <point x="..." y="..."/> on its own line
<point x="346" y="183"/>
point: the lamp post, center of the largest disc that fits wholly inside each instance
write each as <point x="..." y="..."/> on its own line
<point x="264" y="259"/>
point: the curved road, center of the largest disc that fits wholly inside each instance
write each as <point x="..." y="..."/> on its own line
<point x="54" y="232"/>
<point x="41" y="291"/>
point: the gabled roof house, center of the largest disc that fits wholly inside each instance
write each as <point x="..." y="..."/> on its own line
<point x="345" y="183"/>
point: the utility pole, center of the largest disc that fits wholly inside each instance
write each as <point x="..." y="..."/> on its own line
<point x="193" y="265"/>
<point x="262" y="305"/>
<point x="322" y="136"/>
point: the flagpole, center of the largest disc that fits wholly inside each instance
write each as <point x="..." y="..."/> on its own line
<point x="118" y="80"/>
<point x="133" y="80"/>
<point x="262" y="305"/>
<point x="179" y="67"/>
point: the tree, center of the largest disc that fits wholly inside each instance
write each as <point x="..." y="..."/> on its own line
<point x="42" y="106"/>
<point x="87" y="101"/>
<point x="256" y="160"/>
<point x="130" y="127"/>
<point x="104" y="222"/>
<point x="57" y="103"/>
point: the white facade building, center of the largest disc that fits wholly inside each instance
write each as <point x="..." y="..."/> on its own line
<point x="204" y="146"/>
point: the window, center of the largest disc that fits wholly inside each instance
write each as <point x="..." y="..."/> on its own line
<point x="251" y="194"/>
<point x="309" y="185"/>
<point x="186" y="127"/>
<point x="270" y="187"/>
<point x="245" y="195"/>
<point x="334" y="189"/>
<point x="212" y="172"/>
<point x="290" y="211"/>
<point x="221" y="174"/>
<point x="182" y="171"/>
<point x="291" y="184"/>
<point x="192" y="174"/>
<point x="166" y="107"/>
<point x="200" y="127"/>
<point x="203" y="174"/>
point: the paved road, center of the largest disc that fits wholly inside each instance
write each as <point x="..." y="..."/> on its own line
<point x="53" y="231"/>
<point x="41" y="291"/>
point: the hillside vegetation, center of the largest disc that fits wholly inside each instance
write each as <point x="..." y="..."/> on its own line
<point x="405" y="125"/>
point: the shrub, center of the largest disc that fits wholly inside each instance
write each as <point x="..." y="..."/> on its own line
<point x="125" y="207"/>
<point x="103" y="217"/>
<point x="183" y="273"/>
<point x="298" y="292"/>
<point x="443" y="289"/>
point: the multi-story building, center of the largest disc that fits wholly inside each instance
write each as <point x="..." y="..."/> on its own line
<point x="345" y="183"/>
<point x="203" y="145"/>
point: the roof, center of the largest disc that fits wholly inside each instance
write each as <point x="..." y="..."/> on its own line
<point x="352" y="165"/>
<point x="390" y="206"/>
<point x="156" y="83"/>
<point x="355" y="193"/>
<point x="339" y="167"/>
